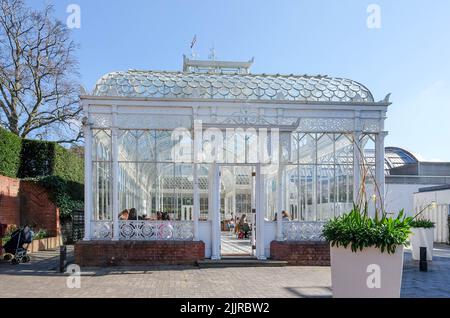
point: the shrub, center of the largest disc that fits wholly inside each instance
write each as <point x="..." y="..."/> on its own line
<point x="37" y="158"/>
<point x="60" y="171"/>
<point x="357" y="230"/>
<point x="425" y="224"/>
<point x="39" y="235"/>
<point x="10" y="147"/>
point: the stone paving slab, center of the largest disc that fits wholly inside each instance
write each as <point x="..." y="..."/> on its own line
<point x="40" y="279"/>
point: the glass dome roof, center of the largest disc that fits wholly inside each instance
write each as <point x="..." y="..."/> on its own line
<point x="398" y="157"/>
<point x="172" y="85"/>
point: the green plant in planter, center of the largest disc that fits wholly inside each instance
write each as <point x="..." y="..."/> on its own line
<point x="424" y="224"/>
<point x="41" y="234"/>
<point x="357" y="230"/>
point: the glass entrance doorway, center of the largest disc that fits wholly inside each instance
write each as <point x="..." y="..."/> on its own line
<point x="237" y="210"/>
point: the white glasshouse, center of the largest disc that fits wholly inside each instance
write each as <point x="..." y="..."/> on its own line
<point x="186" y="152"/>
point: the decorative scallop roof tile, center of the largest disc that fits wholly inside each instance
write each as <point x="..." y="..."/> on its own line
<point x="303" y="88"/>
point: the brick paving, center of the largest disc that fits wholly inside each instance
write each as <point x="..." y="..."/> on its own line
<point x="41" y="279"/>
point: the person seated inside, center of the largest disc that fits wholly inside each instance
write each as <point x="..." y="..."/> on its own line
<point x="285" y="216"/>
<point x="133" y="215"/>
<point x="123" y="216"/>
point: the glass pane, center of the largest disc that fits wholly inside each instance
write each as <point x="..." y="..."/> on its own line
<point x="344" y="149"/>
<point x="101" y="177"/>
<point x="184" y="184"/>
<point x="128" y="145"/>
<point x="307" y="149"/>
<point x="203" y="184"/>
<point x="146" y="146"/>
<point x="136" y="189"/>
<point x="101" y="145"/>
<point x="325" y="149"/>
<point x="307" y="184"/>
<point x="292" y="182"/>
<point x="344" y="189"/>
<point x="325" y="192"/>
<point x="164" y="145"/>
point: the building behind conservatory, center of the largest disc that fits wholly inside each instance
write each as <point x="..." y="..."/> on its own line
<point x="216" y="161"/>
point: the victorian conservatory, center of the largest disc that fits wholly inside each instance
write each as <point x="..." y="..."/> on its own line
<point x="191" y="156"/>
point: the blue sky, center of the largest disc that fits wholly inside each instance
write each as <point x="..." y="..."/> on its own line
<point x="409" y="56"/>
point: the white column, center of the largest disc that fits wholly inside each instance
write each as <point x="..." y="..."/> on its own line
<point x="379" y="168"/>
<point x="88" y="195"/>
<point x="196" y="215"/>
<point x="260" y="253"/>
<point x="280" y="205"/>
<point x="356" y="166"/>
<point x="215" y="229"/>
<point x="115" y="175"/>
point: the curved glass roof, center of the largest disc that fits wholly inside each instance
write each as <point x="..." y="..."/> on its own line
<point x="398" y="157"/>
<point x="303" y="88"/>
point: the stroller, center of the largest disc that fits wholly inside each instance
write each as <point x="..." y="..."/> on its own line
<point x="15" y="245"/>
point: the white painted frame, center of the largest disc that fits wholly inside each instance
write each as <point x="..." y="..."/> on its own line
<point x="116" y="113"/>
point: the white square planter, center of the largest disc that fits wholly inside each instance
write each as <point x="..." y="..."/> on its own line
<point x="421" y="237"/>
<point x="366" y="274"/>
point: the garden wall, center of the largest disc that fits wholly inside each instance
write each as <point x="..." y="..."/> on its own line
<point x="110" y="253"/>
<point x="24" y="202"/>
<point x="301" y="253"/>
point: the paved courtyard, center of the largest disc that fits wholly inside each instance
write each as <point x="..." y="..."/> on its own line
<point x="41" y="279"/>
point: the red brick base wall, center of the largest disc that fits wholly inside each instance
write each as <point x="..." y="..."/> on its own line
<point x="37" y="209"/>
<point x="26" y="203"/>
<point x="301" y="253"/>
<point x="109" y="253"/>
<point x="9" y="201"/>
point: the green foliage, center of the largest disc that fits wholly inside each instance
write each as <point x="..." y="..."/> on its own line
<point x="41" y="234"/>
<point x="10" y="146"/>
<point x="37" y="159"/>
<point x="357" y="230"/>
<point x="425" y="224"/>
<point x="47" y="164"/>
<point x="67" y="195"/>
<point x="68" y="166"/>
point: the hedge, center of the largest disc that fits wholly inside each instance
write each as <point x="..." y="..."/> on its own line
<point x="10" y="147"/>
<point x="47" y="164"/>
<point x="43" y="158"/>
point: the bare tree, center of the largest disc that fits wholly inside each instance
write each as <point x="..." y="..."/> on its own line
<point x="38" y="74"/>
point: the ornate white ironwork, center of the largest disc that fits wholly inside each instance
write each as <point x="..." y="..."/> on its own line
<point x="101" y="230"/>
<point x="157" y="230"/>
<point x="303" y="231"/>
<point x="370" y="125"/>
<point x="326" y="125"/>
<point x="245" y="117"/>
<point x="101" y="120"/>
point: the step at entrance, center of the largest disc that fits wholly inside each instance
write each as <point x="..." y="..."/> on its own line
<point x="239" y="262"/>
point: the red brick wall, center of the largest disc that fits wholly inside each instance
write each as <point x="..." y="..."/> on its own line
<point x="23" y="202"/>
<point x="301" y="253"/>
<point x="9" y="201"/>
<point x="109" y="253"/>
<point x="37" y="209"/>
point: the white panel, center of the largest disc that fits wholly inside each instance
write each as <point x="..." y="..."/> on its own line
<point x="148" y="121"/>
<point x="270" y="234"/>
<point x="204" y="234"/>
